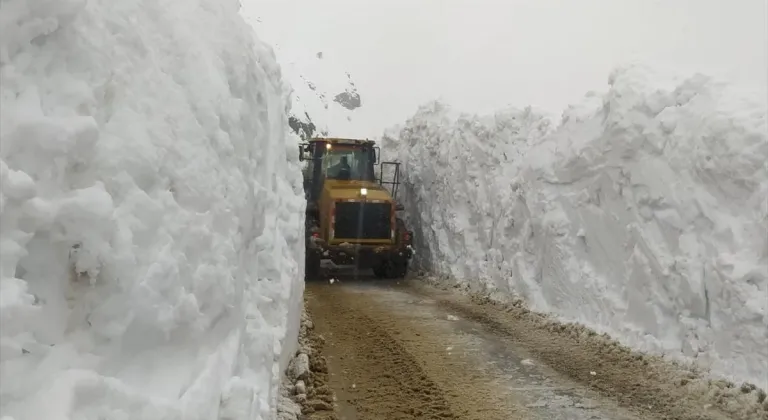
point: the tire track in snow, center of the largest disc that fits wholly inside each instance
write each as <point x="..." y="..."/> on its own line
<point x="653" y="387"/>
<point x="392" y="352"/>
<point x="372" y="374"/>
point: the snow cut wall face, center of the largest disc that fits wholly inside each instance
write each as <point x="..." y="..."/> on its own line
<point x="151" y="213"/>
<point x="643" y="214"/>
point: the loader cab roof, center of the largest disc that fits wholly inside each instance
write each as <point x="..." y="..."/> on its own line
<point x="337" y="140"/>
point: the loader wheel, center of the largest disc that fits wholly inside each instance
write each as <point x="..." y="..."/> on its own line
<point x="397" y="270"/>
<point x="380" y="271"/>
<point x="312" y="268"/>
<point x="391" y="270"/>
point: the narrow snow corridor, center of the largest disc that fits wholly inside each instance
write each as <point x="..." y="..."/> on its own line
<point x="601" y="260"/>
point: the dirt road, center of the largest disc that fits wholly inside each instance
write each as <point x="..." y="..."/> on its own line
<point x="402" y="350"/>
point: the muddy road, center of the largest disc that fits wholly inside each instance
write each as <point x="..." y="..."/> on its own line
<point x="405" y="350"/>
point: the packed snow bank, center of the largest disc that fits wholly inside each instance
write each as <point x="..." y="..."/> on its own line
<point x="643" y="214"/>
<point x="151" y="213"/>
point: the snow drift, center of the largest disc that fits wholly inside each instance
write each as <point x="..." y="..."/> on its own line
<point x="643" y="214"/>
<point x="151" y="213"/>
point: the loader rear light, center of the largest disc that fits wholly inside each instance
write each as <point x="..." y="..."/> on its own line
<point x="407" y="237"/>
<point x="316" y="235"/>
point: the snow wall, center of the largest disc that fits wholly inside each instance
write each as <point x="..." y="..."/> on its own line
<point x="151" y="235"/>
<point x="643" y="214"/>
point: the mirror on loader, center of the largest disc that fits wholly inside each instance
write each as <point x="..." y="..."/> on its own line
<point x="399" y="207"/>
<point x="376" y="153"/>
<point x="303" y="148"/>
<point x="392" y="185"/>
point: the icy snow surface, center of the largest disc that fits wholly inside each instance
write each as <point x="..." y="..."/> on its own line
<point x="643" y="214"/>
<point x="151" y="213"/>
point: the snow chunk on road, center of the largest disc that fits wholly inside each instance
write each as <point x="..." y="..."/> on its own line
<point x="643" y="214"/>
<point x="151" y="212"/>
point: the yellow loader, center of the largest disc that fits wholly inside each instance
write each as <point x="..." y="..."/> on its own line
<point x="351" y="217"/>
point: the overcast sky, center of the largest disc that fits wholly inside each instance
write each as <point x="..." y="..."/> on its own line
<point x="480" y="55"/>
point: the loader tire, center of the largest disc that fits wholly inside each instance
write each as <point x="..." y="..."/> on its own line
<point x="398" y="270"/>
<point x="391" y="270"/>
<point x="312" y="268"/>
<point x="380" y="271"/>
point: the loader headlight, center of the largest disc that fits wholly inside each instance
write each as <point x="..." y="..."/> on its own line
<point x="363" y="191"/>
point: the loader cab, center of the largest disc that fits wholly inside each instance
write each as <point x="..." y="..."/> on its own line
<point x="342" y="160"/>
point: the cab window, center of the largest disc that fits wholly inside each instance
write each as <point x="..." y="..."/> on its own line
<point x="347" y="163"/>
